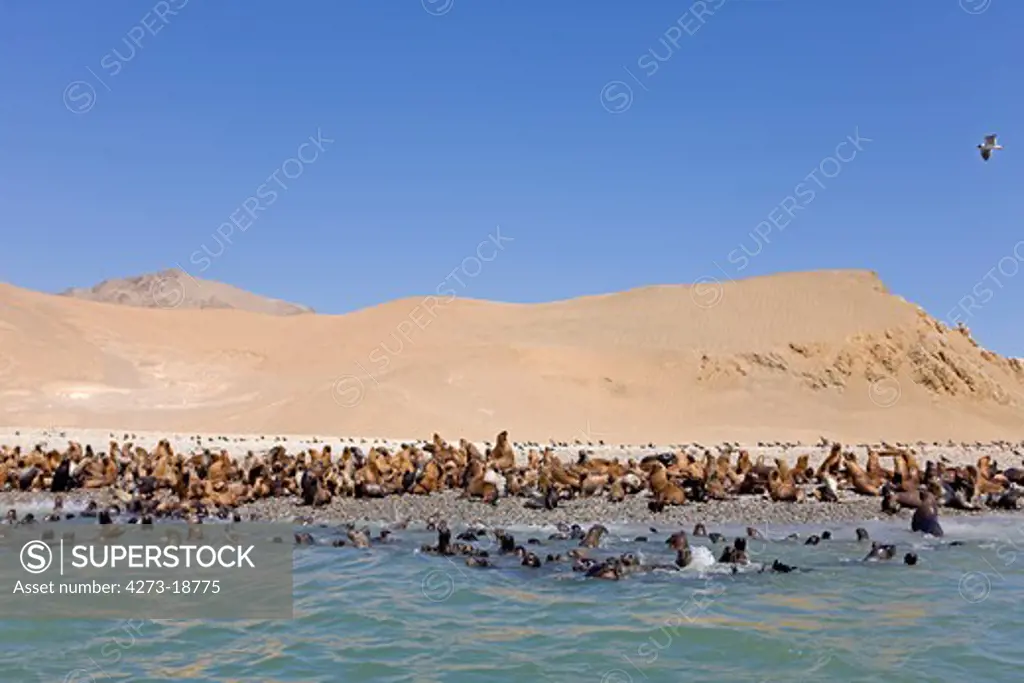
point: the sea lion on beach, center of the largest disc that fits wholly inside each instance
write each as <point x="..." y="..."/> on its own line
<point x="1005" y="501"/>
<point x="663" y="490"/>
<point x="828" y="490"/>
<point x="859" y="479"/>
<point x="948" y="496"/>
<point x="61" y="477"/>
<point x="27" y="477"/>
<point x="893" y="501"/>
<point x="926" y="517"/>
<point x="502" y="456"/>
<point x="782" y="489"/>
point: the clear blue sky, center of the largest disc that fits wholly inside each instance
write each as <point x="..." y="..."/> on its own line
<point x="445" y="126"/>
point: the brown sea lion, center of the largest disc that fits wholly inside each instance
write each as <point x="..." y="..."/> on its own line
<point x="593" y="536"/>
<point x="664" y="491"/>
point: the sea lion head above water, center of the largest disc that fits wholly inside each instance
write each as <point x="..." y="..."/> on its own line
<point x="699" y="531"/>
<point x="736" y="553"/>
<point x="880" y="551"/>
<point x="677" y="541"/>
<point x="862" y="534"/>
<point x="910" y="559"/>
<point x="531" y="560"/>
<point x="507" y="542"/>
<point x="593" y="536"/>
<point x="628" y="563"/>
<point x="611" y="569"/>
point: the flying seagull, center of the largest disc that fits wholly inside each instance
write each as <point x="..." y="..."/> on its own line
<point x="989" y="145"/>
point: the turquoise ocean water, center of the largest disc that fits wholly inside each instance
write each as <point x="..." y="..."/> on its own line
<point x="394" y="614"/>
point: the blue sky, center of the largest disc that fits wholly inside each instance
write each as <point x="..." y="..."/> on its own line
<point x="449" y="118"/>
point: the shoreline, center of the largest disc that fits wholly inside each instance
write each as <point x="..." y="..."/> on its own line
<point x="744" y="509"/>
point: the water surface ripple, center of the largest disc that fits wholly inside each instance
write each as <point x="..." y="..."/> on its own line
<point x="393" y="614"/>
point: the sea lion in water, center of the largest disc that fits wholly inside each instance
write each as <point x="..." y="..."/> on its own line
<point x="609" y="569"/>
<point x="593" y="537"/>
<point x="880" y="551"/>
<point x="736" y="553"/>
<point x="910" y="559"/>
<point x="779" y="567"/>
<point x="926" y="516"/>
<point x="506" y="541"/>
<point x="531" y="560"/>
<point x="681" y="544"/>
<point x="862" y="534"/>
<point x="699" y="531"/>
<point x="677" y="540"/>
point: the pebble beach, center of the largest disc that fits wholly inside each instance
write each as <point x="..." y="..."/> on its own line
<point x="752" y="510"/>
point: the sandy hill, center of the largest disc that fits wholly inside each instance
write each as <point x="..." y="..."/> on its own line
<point x="792" y="356"/>
<point x="174" y="288"/>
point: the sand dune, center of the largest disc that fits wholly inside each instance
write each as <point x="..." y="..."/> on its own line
<point x="790" y="357"/>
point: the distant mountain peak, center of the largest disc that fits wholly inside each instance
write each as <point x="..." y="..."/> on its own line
<point x="174" y="288"/>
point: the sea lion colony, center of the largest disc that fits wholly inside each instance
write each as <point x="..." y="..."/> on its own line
<point x="165" y="483"/>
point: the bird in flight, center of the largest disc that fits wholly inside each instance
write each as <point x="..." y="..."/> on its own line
<point x="989" y="145"/>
